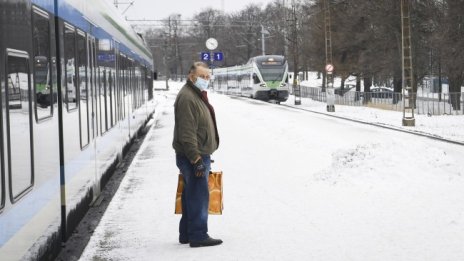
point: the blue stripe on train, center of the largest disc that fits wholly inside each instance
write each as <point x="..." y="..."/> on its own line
<point x="76" y="18"/>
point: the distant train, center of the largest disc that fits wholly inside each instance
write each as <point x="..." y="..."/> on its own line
<point x="263" y="78"/>
<point x="58" y="146"/>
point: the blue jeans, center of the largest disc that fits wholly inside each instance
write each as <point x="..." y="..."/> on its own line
<point x="195" y="200"/>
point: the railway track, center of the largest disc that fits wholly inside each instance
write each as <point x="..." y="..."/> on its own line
<point x="384" y="126"/>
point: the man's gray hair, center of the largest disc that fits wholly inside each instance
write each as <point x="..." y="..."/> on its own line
<point x="197" y="65"/>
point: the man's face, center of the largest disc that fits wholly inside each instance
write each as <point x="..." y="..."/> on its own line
<point x="202" y="73"/>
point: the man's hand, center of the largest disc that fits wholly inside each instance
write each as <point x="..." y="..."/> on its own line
<point x="199" y="168"/>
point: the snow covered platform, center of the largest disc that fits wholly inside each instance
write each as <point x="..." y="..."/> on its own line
<point x="298" y="186"/>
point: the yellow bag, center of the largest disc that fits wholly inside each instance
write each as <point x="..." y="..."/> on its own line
<point x="215" y="194"/>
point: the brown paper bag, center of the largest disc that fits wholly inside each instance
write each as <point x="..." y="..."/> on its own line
<point x="215" y="194"/>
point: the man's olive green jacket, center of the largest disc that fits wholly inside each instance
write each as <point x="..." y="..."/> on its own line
<point x="195" y="131"/>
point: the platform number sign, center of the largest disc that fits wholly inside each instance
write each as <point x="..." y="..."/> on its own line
<point x="206" y="56"/>
<point x="218" y="56"/>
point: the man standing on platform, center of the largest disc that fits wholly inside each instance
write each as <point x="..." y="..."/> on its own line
<point x="195" y="139"/>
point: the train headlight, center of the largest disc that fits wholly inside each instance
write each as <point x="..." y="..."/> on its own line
<point x="283" y="85"/>
<point x="263" y="85"/>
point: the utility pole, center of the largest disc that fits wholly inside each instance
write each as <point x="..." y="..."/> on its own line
<point x="330" y="92"/>
<point x="284" y="4"/>
<point x="295" y="51"/>
<point x="408" y="91"/>
<point x="176" y="46"/>
<point x="166" y="62"/>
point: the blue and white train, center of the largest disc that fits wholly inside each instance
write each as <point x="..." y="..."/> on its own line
<point x="263" y="78"/>
<point x="69" y="110"/>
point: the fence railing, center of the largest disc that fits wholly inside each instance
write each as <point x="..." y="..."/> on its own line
<point x="426" y="103"/>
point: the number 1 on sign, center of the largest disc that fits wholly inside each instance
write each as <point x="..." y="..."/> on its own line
<point x="218" y="56"/>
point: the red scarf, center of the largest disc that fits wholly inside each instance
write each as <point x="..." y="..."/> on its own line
<point x="204" y="97"/>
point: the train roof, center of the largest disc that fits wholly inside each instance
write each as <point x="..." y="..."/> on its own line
<point x="103" y="21"/>
<point x="262" y="58"/>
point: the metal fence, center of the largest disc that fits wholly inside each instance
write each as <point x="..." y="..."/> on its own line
<point x="426" y="103"/>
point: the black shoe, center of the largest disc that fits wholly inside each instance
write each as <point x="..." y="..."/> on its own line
<point x="206" y="243"/>
<point x="184" y="241"/>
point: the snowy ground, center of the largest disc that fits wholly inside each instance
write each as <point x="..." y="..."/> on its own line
<point x="446" y="126"/>
<point x="298" y="186"/>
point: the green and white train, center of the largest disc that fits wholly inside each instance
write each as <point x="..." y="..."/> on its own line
<point x="263" y="78"/>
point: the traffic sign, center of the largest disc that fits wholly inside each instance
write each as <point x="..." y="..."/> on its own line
<point x="206" y="56"/>
<point x="329" y="68"/>
<point x="219" y="56"/>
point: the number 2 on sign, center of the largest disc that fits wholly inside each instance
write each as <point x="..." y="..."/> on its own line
<point x="205" y="57"/>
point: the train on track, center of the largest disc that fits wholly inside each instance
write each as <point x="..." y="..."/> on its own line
<point x="263" y="78"/>
<point x="76" y="88"/>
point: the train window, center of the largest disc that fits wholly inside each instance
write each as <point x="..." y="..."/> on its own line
<point x="113" y="98"/>
<point x="110" y="98"/>
<point x="117" y="83"/>
<point x="91" y="76"/>
<point x="70" y="67"/>
<point x="43" y="88"/>
<point x="120" y="84"/>
<point x="105" y="94"/>
<point x="19" y="135"/>
<point x="134" y="89"/>
<point x="83" y="90"/>
<point x="256" y="79"/>
<point x="124" y="84"/>
<point x="101" y="100"/>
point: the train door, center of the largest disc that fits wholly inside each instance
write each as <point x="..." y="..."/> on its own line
<point x="116" y="104"/>
<point x="91" y="47"/>
<point x="83" y="92"/>
<point x="124" y="84"/>
<point x="17" y="146"/>
<point x="93" y="96"/>
<point x="129" y="92"/>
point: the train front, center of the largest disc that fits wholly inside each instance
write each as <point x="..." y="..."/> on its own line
<point x="274" y="78"/>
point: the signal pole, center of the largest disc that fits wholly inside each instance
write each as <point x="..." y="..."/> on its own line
<point x="330" y="92"/>
<point x="408" y="91"/>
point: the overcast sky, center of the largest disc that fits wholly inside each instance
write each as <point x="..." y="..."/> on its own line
<point x="159" y="9"/>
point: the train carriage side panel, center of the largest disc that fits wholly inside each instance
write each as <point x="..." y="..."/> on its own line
<point x="103" y="108"/>
<point x="30" y="147"/>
